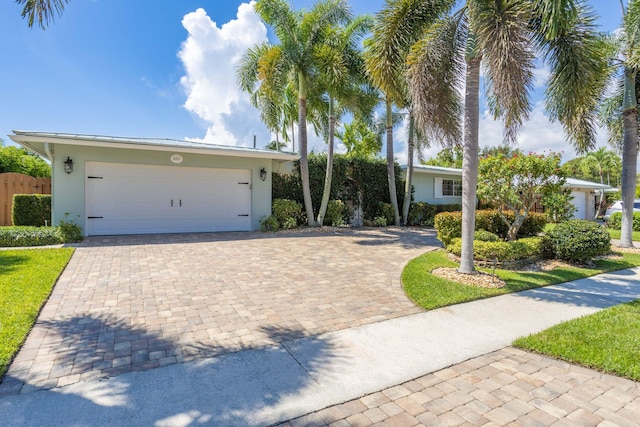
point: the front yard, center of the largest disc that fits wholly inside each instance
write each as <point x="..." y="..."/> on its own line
<point x="26" y="280"/>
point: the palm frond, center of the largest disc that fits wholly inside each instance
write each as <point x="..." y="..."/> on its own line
<point x="42" y="11"/>
<point x="436" y="69"/>
<point x="280" y="17"/>
<point x="631" y="25"/>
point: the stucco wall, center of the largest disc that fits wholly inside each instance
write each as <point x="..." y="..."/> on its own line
<point x="68" y="190"/>
<point x="423" y="184"/>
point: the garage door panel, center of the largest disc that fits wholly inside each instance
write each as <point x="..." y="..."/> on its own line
<point x="132" y="199"/>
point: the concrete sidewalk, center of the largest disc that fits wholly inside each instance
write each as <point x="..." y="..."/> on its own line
<point x="278" y="383"/>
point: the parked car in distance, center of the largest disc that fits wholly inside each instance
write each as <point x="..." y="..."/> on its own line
<point x="617" y="207"/>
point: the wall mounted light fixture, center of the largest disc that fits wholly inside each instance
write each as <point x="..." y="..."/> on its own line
<point x="68" y="165"/>
<point x="263" y="174"/>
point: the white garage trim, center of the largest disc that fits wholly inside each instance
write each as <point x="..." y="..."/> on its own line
<point x="138" y="199"/>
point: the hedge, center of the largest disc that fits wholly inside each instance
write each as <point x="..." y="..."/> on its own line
<point x="615" y="221"/>
<point x="351" y="177"/>
<point x="29" y="236"/>
<point x="527" y="247"/>
<point x="579" y="240"/>
<point x="422" y="213"/>
<point x="31" y="210"/>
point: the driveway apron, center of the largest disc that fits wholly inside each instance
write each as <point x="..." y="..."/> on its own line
<point x="131" y="303"/>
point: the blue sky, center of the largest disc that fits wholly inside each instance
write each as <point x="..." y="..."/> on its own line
<point x="164" y="68"/>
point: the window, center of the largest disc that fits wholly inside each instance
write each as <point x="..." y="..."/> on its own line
<point x="451" y="187"/>
<point x="446" y="188"/>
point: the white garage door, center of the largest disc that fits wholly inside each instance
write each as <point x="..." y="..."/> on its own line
<point x="139" y="199"/>
<point x="580" y="202"/>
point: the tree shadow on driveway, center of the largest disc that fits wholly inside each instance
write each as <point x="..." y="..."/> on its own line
<point x="249" y="387"/>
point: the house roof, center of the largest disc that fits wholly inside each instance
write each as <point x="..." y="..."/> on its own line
<point x="570" y="183"/>
<point x="39" y="141"/>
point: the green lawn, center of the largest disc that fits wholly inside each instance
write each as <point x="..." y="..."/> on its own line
<point x="615" y="234"/>
<point x="26" y="280"/>
<point x="429" y="291"/>
<point x="608" y="341"/>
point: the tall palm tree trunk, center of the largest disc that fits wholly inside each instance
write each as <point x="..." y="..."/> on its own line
<point x="470" y="162"/>
<point x="629" y="157"/>
<point x="391" y="172"/>
<point x="406" y="203"/>
<point x="327" y="179"/>
<point x="302" y="137"/>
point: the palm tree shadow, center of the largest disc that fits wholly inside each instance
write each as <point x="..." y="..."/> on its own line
<point x="247" y="385"/>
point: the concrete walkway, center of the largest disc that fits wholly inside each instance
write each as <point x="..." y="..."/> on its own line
<point x="301" y="376"/>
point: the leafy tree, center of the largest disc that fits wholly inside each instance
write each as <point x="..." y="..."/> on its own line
<point x="558" y="206"/>
<point x="294" y="59"/>
<point x="516" y="184"/>
<point x="504" y="150"/>
<point x="20" y="160"/>
<point x="275" y="145"/>
<point x="360" y="140"/>
<point x="42" y="11"/>
<point x="446" y="52"/>
<point x="448" y="157"/>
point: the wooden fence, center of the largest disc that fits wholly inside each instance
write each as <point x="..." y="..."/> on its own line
<point x="17" y="183"/>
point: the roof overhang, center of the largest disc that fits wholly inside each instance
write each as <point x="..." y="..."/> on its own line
<point x="42" y="142"/>
<point x="436" y="170"/>
<point x="579" y="183"/>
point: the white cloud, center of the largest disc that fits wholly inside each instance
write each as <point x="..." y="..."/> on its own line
<point x="210" y="55"/>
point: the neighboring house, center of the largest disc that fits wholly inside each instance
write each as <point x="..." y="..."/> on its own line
<point x="440" y="185"/>
<point x="115" y="185"/>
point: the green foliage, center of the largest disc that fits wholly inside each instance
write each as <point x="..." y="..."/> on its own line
<point x="380" y="221"/>
<point x="517" y="183"/>
<point x="558" y="206"/>
<point x="449" y="224"/>
<point x="422" y="213"/>
<point x="269" y="223"/>
<point x="352" y="177"/>
<point x="21" y="236"/>
<point x="284" y="209"/>
<point x="31" y="209"/>
<point x="336" y="213"/>
<point x="19" y="160"/>
<point x="615" y="221"/>
<point x="450" y="157"/>
<point x="579" y="240"/>
<point x="69" y="231"/>
<point x="485" y="236"/>
<point x="386" y="211"/>
<point x="501" y="251"/>
<point x="26" y="280"/>
<point x="360" y="140"/>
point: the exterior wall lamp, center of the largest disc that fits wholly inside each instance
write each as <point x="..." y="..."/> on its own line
<point x="263" y="174"/>
<point x="68" y="165"/>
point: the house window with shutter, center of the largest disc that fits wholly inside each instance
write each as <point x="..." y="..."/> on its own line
<point x="447" y="188"/>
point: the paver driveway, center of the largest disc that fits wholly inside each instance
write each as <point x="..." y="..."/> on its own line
<point x="138" y="302"/>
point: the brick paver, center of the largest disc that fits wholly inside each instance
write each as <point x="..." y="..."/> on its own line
<point x="588" y="398"/>
<point x="131" y="303"/>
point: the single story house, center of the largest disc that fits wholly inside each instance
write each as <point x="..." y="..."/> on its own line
<point x="116" y="185"/>
<point x="440" y="185"/>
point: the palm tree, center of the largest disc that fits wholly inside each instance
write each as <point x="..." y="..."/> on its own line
<point x="360" y="140"/>
<point x="294" y="59"/>
<point x="42" y="11"/>
<point x="620" y="111"/>
<point x="342" y="74"/>
<point x="445" y="50"/>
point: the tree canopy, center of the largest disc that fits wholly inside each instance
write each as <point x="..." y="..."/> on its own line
<point x="20" y="160"/>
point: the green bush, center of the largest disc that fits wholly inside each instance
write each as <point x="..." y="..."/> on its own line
<point x="31" y="210"/>
<point x="422" y="213"/>
<point x="269" y="223"/>
<point x="284" y="209"/>
<point x="336" y="213"/>
<point x="386" y="211"/>
<point x="29" y="236"/>
<point x="70" y="232"/>
<point x="579" y="240"/>
<point x="380" y="221"/>
<point x="501" y="251"/>
<point x="615" y="221"/>
<point x="485" y="236"/>
<point x="449" y="224"/>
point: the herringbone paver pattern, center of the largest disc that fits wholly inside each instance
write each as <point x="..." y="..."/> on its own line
<point x="509" y="387"/>
<point x="130" y="303"/>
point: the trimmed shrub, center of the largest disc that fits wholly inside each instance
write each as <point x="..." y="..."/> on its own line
<point x="485" y="236"/>
<point x="579" y="240"/>
<point x="501" y="251"/>
<point x="386" y="211"/>
<point x="29" y="236"/>
<point x="70" y="232"/>
<point x="336" y="213"/>
<point x="269" y="223"/>
<point x="284" y="209"/>
<point x="615" y="221"/>
<point x="31" y="209"/>
<point x="422" y="213"/>
<point x="380" y="221"/>
<point x="448" y="225"/>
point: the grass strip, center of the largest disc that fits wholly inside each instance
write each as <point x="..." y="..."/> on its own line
<point x="429" y="291"/>
<point x="608" y="341"/>
<point x="26" y="280"/>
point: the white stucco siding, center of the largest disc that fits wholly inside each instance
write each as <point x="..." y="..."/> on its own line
<point x="426" y="189"/>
